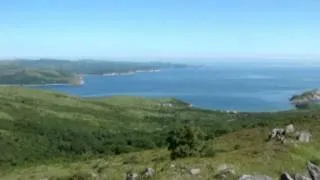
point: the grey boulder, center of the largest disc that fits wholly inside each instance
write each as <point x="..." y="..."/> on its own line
<point x="305" y="136"/>
<point x="255" y="177"/>
<point x="314" y="171"/>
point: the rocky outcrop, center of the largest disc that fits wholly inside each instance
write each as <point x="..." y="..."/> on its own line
<point x="290" y="129"/>
<point x="255" y="177"/>
<point x="286" y="135"/>
<point x="224" y="172"/>
<point x="314" y="171"/>
<point x="277" y="133"/>
<point x="131" y="176"/>
<point x="194" y="171"/>
<point x="304" y="136"/>
<point x="300" y="177"/>
<point x="286" y="176"/>
<point x="148" y="172"/>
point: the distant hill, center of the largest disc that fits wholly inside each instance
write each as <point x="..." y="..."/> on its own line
<point x="94" y="66"/>
<point x="48" y="71"/>
<point x="25" y="76"/>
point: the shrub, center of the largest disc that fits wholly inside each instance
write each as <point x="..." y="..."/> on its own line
<point x="76" y="176"/>
<point x="208" y="151"/>
<point x="185" y="141"/>
<point x="236" y="147"/>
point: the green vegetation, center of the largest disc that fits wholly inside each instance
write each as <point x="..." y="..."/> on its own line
<point x="47" y="134"/>
<point x="66" y="72"/>
<point x="17" y="75"/>
<point x="92" y="66"/>
<point x="307" y="100"/>
<point x="185" y="142"/>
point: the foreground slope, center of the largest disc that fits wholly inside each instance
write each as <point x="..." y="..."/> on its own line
<point x="47" y="134"/>
<point x="253" y="155"/>
<point x="39" y="126"/>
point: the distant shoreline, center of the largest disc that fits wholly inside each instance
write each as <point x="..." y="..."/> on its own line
<point x="132" y="72"/>
<point x="50" y="84"/>
<point x="81" y="79"/>
<point x="111" y="74"/>
<point x="35" y="85"/>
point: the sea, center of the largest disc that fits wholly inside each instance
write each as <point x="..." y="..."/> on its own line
<point x="249" y="88"/>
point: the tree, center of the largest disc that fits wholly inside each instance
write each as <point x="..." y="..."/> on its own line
<point x="186" y="141"/>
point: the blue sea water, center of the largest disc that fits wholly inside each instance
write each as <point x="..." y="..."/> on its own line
<point x="245" y="88"/>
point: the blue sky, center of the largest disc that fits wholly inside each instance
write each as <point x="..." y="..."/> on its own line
<point x="166" y="28"/>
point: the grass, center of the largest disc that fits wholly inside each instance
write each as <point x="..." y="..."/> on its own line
<point x="11" y="74"/>
<point x="47" y="134"/>
<point x="254" y="155"/>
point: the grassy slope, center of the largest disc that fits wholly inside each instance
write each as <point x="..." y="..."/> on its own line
<point x="65" y="124"/>
<point x="12" y="74"/>
<point x="134" y="115"/>
<point x="254" y="155"/>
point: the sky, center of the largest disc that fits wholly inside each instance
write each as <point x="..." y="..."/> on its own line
<point x="159" y="29"/>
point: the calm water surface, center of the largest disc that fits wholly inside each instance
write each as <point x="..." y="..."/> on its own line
<point x="250" y="88"/>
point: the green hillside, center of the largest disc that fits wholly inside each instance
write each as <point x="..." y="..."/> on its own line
<point x="37" y="76"/>
<point x="17" y="72"/>
<point x="92" y="66"/>
<point x="47" y="134"/>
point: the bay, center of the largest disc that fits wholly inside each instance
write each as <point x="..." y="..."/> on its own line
<point x="242" y="88"/>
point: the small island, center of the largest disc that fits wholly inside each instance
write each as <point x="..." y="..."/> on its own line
<point x="306" y="100"/>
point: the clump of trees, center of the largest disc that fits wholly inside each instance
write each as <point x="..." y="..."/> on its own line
<point x="186" y="141"/>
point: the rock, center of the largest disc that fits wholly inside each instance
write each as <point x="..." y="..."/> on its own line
<point x="225" y="172"/>
<point x="314" y="171"/>
<point x="290" y="129"/>
<point x="305" y="136"/>
<point x="300" y="177"/>
<point x="255" y="177"/>
<point x="286" y="176"/>
<point x="277" y="132"/>
<point x="194" y="171"/>
<point x="131" y="176"/>
<point x="296" y="134"/>
<point x="148" y="172"/>
<point x="282" y="139"/>
<point x="226" y="167"/>
<point x="94" y="175"/>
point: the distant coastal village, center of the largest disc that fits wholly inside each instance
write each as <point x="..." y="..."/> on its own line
<point x="130" y="72"/>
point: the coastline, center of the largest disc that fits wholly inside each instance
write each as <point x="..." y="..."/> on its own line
<point x="132" y="72"/>
<point x="35" y="85"/>
<point x="50" y="84"/>
<point x="128" y="73"/>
